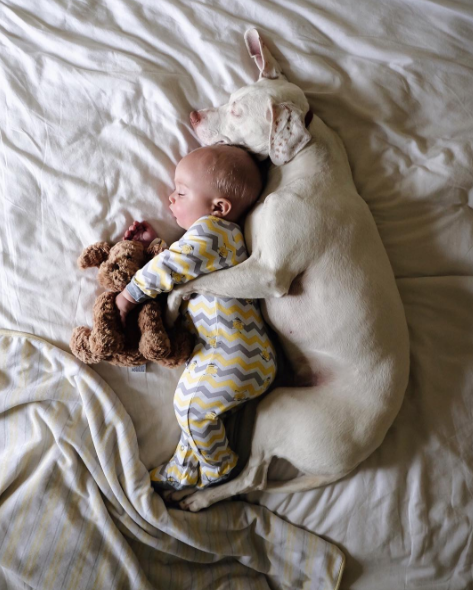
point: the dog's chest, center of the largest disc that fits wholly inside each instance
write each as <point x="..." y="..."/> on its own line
<point x="254" y="226"/>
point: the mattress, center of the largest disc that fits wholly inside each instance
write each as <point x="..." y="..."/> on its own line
<point x="94" y="104"/>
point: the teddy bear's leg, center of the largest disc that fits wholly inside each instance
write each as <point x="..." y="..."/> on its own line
<point x="154" y="342"/>
<point x="128" y="358"/>
<point x="182" y="345"/>
<point x="80" y="346"/>
<point x="107" y="337"/>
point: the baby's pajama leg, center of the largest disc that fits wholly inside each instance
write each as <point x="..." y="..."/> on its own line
<point x="203" y="456"/>
<point x="208" y="436"/>
<point x="182" y="470"/>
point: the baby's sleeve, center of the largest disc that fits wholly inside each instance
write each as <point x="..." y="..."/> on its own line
<point x="206" y="247"/>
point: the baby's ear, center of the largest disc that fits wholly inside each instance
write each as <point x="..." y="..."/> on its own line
<point x="94" y="255"/>
<point x="288" y="133"/>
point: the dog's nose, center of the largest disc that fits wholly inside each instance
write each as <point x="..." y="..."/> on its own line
<point x="195" y="118"/>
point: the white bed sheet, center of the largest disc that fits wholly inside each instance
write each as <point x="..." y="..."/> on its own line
<point x="94" y="103"/>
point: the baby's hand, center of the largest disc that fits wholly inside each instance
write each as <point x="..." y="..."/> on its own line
<point x="125" y="303"/>
<point x="140" y="232"/>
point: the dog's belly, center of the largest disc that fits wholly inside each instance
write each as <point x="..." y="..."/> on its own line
<point x="296" y="320"/>
<point x="330" y="332"/>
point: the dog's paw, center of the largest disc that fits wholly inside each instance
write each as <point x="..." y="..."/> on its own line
<point x="166" y="495"/>
<point x="193" y="503"/>
<point x="181" y="494"/>
<point x="172" y="310"/>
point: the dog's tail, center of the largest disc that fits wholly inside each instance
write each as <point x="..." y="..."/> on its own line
<point x="302" y="483"/>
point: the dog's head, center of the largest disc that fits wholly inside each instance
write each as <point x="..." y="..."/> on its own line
<point x="267" y="117"/>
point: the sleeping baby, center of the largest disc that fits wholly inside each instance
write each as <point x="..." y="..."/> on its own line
<point x="234" y="359"/>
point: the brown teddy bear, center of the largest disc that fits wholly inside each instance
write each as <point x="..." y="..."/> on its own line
<point x="145" y="337"/>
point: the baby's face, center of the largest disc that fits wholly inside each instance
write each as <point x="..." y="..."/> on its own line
<point x="194" y="194"/>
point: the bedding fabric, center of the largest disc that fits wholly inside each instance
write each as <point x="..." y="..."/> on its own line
<point x="94" y="103"/>
<point x="77" y="509"/>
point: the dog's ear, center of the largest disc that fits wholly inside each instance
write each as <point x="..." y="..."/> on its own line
<point x="267" y="65"/>
<point x="288" y="133"/>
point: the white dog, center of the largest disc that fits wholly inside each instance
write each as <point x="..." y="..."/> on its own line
<point x="318" y="261"/>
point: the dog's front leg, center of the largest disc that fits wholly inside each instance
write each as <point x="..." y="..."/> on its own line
<point x="249" y="280"/>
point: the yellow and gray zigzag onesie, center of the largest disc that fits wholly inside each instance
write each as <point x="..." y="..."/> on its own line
<point x="233" y="360"/>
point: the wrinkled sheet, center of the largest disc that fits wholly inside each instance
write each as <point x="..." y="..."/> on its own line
<point x="94" y="103"/>
<point x="77" y="509"/>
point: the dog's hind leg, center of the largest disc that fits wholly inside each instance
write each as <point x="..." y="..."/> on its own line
<point x="251" y="479"/>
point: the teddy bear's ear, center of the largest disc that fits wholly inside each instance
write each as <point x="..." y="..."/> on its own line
<point x="94" y="255"/>
<point x="155" y="248"/>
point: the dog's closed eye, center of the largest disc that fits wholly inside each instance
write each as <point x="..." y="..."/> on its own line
<point x="235" y="110"/>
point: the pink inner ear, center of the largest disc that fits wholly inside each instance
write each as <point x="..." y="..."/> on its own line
<point x="254" y="46"/>
<point x="255" y="49"/>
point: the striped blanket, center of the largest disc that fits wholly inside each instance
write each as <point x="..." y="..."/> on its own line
<point x="77" y="510"/>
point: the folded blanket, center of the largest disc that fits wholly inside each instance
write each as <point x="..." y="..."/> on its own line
<point x="77" y="510"/>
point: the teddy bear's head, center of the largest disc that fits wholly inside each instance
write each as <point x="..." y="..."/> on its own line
<point x="117" y="264"/>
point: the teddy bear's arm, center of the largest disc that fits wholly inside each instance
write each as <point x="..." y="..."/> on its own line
<point x="156" y="247"/>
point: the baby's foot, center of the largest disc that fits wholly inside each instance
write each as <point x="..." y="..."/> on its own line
<point x="140" y="232"/>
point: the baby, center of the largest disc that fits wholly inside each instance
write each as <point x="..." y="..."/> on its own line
<point x="234" y="359"/>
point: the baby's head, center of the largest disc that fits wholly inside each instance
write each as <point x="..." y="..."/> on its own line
<point x="218" y="180"/>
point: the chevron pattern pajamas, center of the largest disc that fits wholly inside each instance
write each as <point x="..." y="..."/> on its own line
<point x="233" y="360"/>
